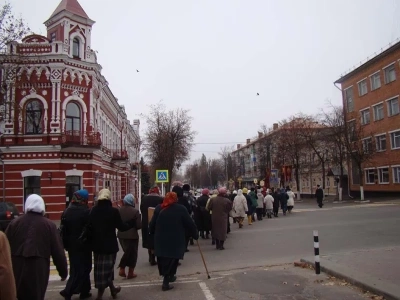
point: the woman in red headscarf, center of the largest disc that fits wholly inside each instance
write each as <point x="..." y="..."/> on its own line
<point x="170" y="223"/>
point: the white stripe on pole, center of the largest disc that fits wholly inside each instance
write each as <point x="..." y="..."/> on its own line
<point x="317" y="259"/>
<point x="316" y="244"/>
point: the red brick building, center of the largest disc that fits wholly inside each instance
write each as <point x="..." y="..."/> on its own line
<point x="371" y="98"/>
<point x="63" y="129"/>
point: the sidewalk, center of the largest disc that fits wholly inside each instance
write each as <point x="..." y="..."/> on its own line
<point x="375" y="270"/>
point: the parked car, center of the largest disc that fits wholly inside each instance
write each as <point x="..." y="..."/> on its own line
<point x="8" y="212"/>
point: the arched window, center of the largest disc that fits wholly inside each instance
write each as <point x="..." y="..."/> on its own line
<point x="34" y="117"/>
<point x="75" y="47"/>
<point x="73" y="117"/>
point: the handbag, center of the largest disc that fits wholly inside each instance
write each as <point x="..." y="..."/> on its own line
<point x="87" y="232"/>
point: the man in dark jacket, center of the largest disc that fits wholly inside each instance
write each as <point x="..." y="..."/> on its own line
<point x="151" y="200"/>
<point x="171" y="224"/>
<point x="319" y="194"/>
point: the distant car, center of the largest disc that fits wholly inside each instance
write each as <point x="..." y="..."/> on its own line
<point x="8" y="212"/>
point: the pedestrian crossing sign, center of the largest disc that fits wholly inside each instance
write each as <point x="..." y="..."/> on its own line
<point x="162" y="176"/>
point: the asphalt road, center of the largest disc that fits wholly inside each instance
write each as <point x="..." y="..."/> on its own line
<point x="271" y="242"/>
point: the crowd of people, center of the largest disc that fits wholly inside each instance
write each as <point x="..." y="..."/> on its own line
<point x="90" y="235"/>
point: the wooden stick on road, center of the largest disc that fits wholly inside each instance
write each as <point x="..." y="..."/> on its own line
<point x="202" y="257"/>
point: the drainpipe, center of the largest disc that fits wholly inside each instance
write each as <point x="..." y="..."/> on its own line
<point x="348" y="177"/>
<point x="3" y="198"/>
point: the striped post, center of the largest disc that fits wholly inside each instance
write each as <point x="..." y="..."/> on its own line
<point x="316" y="253"/>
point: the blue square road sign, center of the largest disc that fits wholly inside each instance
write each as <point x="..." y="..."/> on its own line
<point x="162" y="176"/>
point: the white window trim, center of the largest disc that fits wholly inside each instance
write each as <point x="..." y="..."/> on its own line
<point x="361" y="115"/>
<point x="379" y="177"/>
<point x="366" y="108"/>
<point x="395" y="166"/>
<point x="362" y="80"/>
<point x="74" y="172"/>
<point x="376" y="136"/>
<point x="367" y="138"/>
<point x="396" y="130"/>
<point x="380" y="134"/>
<point x="383" y="167"/>
<point x="374" y="73"/>
<point x="347" y="88"/>
<point x="31" y="172"/>
<point x="377" y="104"/>
<point x="389" y="65"/>
<point x="391" y="144"/>
<point x="352" y="120"/>
<point x="370" y="168"/>
<point x="365" y="175"/>
<point x="391" y="98"/>
<point x="392" y="167"/>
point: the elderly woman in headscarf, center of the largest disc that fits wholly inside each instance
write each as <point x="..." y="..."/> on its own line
<point x="73" y="221"/>
<point x="104" y="219"/>
<point x="170" y="224"/>
<point x="220" y="207"/>
<point x="129" y="240"/>
<point x="33" y="239"/>
<point x="240" y="208"/>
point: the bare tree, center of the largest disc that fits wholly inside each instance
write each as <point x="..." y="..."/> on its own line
<point x="12" y="29"/>
<point x="168" y="138"/>
<point x="264" y="153"/>
<point x="225" y="154"/>
<point x="354" y="140"/>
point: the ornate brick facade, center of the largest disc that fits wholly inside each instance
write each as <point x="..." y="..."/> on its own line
<point x="63" y="129"/>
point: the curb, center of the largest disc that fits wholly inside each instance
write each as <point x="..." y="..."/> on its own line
<point x="355" y="282"/>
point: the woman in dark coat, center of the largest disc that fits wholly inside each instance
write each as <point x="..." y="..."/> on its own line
<point x="129" y="240"/>
<point x="170" y="224"/>
<point x="203" y="221"/>
<point x="104" y="220"/>
<point x="151" y="200"/>
<point x="276" y="204"/>
<point x="33" y="239"/>
<point x="73" y="220"/>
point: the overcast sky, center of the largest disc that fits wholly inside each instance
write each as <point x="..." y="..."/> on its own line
<point x="213" y="56"/>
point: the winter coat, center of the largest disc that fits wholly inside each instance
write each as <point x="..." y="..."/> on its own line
<point x="128" y="213"/>
<point x="239" y="205"/>
<point x="319" y="193"/>
<point x="250" y="208"/>
<point x="283" y="198"/>
<point x="151" y="200"/>
<point x="291" y="195"/>
<point x="73" y="220"/>
<point x="220" y="207"/>
<point x="269" y="202"/>
<point x="169" y="227"/>
<point x="275" y="195"/>
<point x="253" y="198"/>
<point x="260" y="200"/>
<point x="7" y="281"/>
<point x="202" y="216"/>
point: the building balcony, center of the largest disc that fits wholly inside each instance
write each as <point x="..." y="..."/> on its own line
<point x="77" y="138"/>
<point x="119" y="155"/>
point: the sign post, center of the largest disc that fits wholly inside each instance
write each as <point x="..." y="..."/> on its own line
<point x="162" y="177"/>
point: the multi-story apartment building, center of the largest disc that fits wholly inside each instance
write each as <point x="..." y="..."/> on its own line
<point x="263" y="159"/>
<point x="371" y="100"/>
<point x="63" y="129"/>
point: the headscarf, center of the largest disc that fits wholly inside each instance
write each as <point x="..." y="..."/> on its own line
<point x="169" y="199"/>
<point x="154" y="190"/>
<point x="35" y="203"/>
<point x="240" y="192"/>
<point x="178" y="190"/>
<point x="245" y="191"/>
<point x="80" y="196"/>
<point x="186" y="187"/>
<point x="129" y="199"/>
<point x="234" y="192"/>
<point x="205" y="192"/>
<point x="222" y="191"/>
<point x="104" y="194"/>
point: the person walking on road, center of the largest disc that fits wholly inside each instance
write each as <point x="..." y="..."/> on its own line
<point x="129" y="240"/>
<point x="319" y="194"/>
<point x="269" y="204"/>
<point x="33" y="239"/>
<point x="7" y="281"/>
<point x="220" y="207"/>
<point x="214" y="194"/>
<point x="276" y="204"/>
<point x="151" y="200"/>
<point x="203" y="222"/>
<point x="73" y="221"/>
<point x="283" y="200"/>
<point x="290" y="202"/>
<point x="253" y="197"/>
<point x="170" y="224"/>
<point x="249" y="211"/>
<point x="239" y="208"/>
<point x="260" y="205"/>
<point x="104" y="219"/>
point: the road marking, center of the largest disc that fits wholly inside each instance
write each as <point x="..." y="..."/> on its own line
<point x="206" y="291"/>
<point x="344" y="207"/>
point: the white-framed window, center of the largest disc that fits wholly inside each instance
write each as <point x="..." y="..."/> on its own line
<point x="362" y="87"/>
<point x="365" y="116"/>
<point x="396" y="174"/>
<point x="395" y="139"/>
<point x="390" y="73"/>
<point x="378" y="112"/>
<point x="393" y="106"/>
<point x="351" y="130"/>
<point x="383" y="175"/>
<point x="381" y="142"/>
<point x="370" y="176"/>
<point x="367" y="145"/>
<point x="76" y="48"/>
<point x="348" y="94"/>
<point x="375" y="81"/>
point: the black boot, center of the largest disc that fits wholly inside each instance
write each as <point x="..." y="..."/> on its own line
<point x="213" y="242"/>
<point x="191" y="242"/>
<point x="217" y="244"/>
<point x="202" y="235"/>
<point x="165" y="285"/>
<point x="153" y="261"/>
<point x="221" y="245"/>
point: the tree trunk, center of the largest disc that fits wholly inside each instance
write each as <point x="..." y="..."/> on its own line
<point x="297" y="175"/>
<point x="361" y="183"/>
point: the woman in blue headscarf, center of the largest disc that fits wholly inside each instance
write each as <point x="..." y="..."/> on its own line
<point x="73" y="220"/>
<point x="129" y="240"/>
